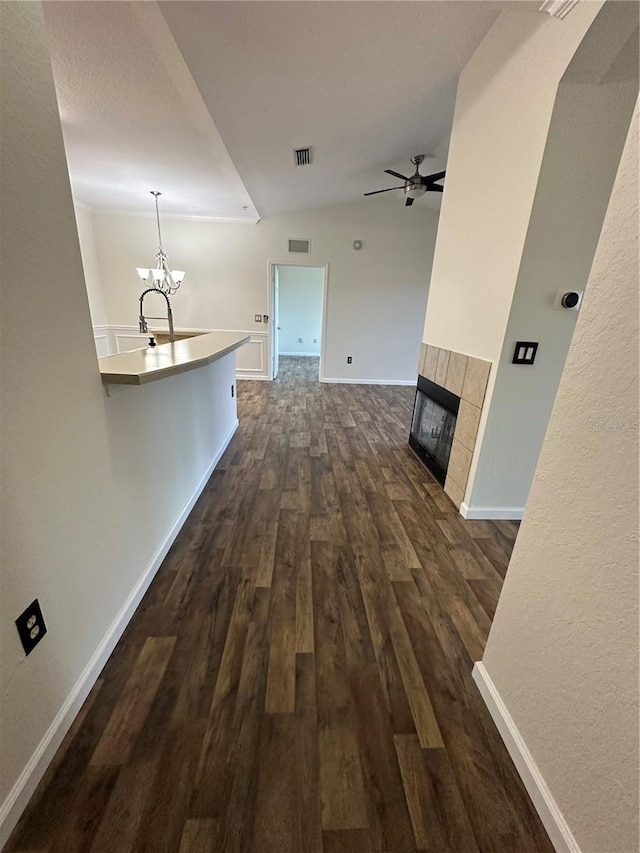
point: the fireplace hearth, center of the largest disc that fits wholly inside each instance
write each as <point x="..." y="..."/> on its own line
<point x="435" y="412"/>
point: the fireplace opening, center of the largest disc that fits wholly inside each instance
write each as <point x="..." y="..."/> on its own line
<point x="433" y="424"/>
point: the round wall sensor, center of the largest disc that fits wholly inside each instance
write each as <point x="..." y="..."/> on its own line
<point x="357" y="244"/>
<point x="570" y="299"/>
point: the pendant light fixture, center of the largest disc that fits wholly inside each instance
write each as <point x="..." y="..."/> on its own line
<point x="162" y="277"/>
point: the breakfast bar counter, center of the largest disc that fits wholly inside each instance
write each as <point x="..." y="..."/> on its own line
<point x="148" y="364"/>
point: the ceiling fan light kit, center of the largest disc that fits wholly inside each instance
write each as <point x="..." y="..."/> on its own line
<point x="417" y="185"/>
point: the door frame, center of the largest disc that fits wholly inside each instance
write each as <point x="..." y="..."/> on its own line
<point x="325" y="303"/>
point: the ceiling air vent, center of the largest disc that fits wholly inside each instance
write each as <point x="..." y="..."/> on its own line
<point x="299" y="247"/>
<point x="301" y="156"/>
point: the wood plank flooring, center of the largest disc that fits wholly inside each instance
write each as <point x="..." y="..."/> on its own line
<point x="297" y="678"/>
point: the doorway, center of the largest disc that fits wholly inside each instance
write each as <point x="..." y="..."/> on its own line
<point x="298" y="296"/>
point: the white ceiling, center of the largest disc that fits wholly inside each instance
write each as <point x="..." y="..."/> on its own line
<point x="206" y="100"/>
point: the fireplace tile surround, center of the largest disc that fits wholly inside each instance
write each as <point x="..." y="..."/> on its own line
<point x="466" y="377"/>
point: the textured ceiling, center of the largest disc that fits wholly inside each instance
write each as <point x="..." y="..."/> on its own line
<point x="206" y="100"/>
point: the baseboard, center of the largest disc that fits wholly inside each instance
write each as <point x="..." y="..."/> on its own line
<point x="552" y="818"/>
<point x="492" y="513"/>
<point x="368" y="381"/>
<point x="27" y="782"/>
<point x="303" y="354"/>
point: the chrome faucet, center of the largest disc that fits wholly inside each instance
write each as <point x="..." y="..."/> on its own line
<point x="143" y="320"/>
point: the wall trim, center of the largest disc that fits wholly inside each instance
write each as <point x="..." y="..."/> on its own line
<point x="180" y="217"/>
<point x="495" y="513"/>
<point x="26" y="784"/>
<point x="305" y="354"/>
<point x="548" y="810"/>
<point x="339" y="381"/>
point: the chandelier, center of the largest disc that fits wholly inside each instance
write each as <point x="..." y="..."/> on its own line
<point x="162" y="277"/>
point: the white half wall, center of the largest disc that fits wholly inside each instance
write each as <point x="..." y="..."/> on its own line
<point x="562" y="653"/>
<point x="92" y="490"/>
<point x="252" y="359"/>
<point x="301" y="291"/>
<point x="376" y="297"/>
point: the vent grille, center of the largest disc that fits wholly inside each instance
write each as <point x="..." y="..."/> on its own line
<point x="299" y="247"/>
<point x="301" y="156"/>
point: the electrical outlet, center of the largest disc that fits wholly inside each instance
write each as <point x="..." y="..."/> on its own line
<point x="233" y="391"/>
<point x="300" y="340"/>
<point x="31" y="627"/>
<point x="349" y="359"/>
<point x="315" y="340"/>
<point x="257" y="318"/>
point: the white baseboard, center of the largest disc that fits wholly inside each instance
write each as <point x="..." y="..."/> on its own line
<point x="492" y="513"/>
<point x="552" y="818"/>
<point x="368" y="381"/>
<point x="27" y="782"/>
<point x="304" y="354"/>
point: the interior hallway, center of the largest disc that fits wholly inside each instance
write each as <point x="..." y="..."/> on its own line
<point x="298" y="676"/>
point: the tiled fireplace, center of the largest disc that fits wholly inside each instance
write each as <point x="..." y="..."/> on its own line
<point x="449" y="401"/>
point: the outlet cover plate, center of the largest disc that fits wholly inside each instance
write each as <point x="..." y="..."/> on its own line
<point x="31" y="627"/>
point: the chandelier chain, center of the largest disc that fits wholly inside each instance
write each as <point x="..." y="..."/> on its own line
<point x="156" y="194"/>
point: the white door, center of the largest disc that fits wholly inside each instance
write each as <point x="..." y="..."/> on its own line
<point x="275" y="320"/>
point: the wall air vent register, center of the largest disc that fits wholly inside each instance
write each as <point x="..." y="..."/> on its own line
<point x="298" y="246"/>
<point x="301" y="156"/>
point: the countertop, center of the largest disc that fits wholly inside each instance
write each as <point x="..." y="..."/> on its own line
<point x="140" y="366"/>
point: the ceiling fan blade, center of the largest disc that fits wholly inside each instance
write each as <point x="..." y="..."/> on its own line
<point x="396" y="174"/>
<point x="434" y="188"/>
<point x="375" y="192"/>
<point x="409" y="201"/>
<point x="437" y="176"/>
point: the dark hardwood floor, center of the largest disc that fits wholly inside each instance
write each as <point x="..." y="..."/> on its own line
<point x="298" y="677"/>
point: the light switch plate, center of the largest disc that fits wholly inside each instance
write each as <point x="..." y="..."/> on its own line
<point x="524" y="352"/>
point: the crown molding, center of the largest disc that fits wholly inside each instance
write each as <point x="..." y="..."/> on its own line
<point x="176" y="216"/>
<point x="557" y="8"/>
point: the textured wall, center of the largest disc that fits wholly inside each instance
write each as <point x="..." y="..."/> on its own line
<point x="563" y="649"/>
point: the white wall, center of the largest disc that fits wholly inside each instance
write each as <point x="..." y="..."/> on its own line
<point x="588" y="129"/>
<point x="300" y="293"/>
<point x="563" y="649"/>
<point x="376" y="296"/>
<point x="504" y="107"/>
<point x="91" y="490"/>
<point x="86" y="236"/>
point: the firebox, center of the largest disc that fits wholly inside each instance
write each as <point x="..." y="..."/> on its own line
<point x="435" y="412"/>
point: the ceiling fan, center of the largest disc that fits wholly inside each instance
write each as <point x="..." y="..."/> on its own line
<point x="417" y="185"/>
